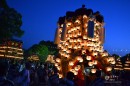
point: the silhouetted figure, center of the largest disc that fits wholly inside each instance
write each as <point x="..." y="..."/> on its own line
<point x="54" y="78"/>
<point x="4" y="67"/>
<point x="125" y="78"/>
<point x="42" y="73"/>
<point x="98" y="80"/>
<point x="24" y="79"/>
<point x="68" y="81"/>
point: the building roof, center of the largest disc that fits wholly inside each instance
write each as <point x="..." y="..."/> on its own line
<point x="81" y="11"/>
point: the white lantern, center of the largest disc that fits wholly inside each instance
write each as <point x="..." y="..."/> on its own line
<point x="95" y="53"/>
<point x="80" y="40"/>
<point x="74" y="28"/>
<point x="71" y="63"/>
<point x="72" y="70"/>
<point x="79" y="46"/>
<point x="74" y="40"/>
<point x="77" y="21"/>
<point x="84" y="16"/>
<point x="70" y="46"/>
<point x="59" y="45"/>
<point x="88" y="57"/>
<point x="112" y="59"/>
<point x="69" y="51"/>
<point x="95" y="62"/>
<point x="66" y="44"/>
<point x="56" y="64"/>
<point x="84" y="37"/>
<point x="70" y="35"/>
<point x="61" y="25"/>
<point x="109" y="68"/>
<point x="75" y="47"/>
<point x="79" y="33"/>
<point x="58" y="67"/>
<point x="113" y="62"/>
<point x="83" y="51"/>
<point x="75" y="73"/>
<point x="60" y="75"/>
<point x="68" y="24"/>
<point x="90" y="63"/>
<point x="93" y="70"/>
<point x="77" y="67"/>
<point x="58" y="60"/>
<point x="80" y="59"/>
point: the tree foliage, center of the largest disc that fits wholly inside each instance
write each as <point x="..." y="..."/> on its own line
<point x="51" y="47"/>
<point x="10" y="22"/>
<point x="40" y="50"/>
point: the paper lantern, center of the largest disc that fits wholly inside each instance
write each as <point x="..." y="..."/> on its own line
<point x="93" y="70"/>
<point x="58" y="67"/>
<point x="95" y="62"/>
<point x="77" y="67"/>
<point x="80" y="59"/>
<point x="113" y="62"/>
<point x="71" y="63"/>
<point x="75" y="73"/>
<point x="88" y="57"/>
<point x="60" y="75"/>
<point x="84" y="16"/>
<point x="68" y="24"/>
<point x="83" y="51"/>
<point x="109" y="68"/>
<point x="77" y="21"/>
<point x="56" y="64"/>
<point x="58" y="60"/>
<point x="90" y="63"/>
<point x="84" y="37"/>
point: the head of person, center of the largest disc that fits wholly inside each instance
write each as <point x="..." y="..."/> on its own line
<point x="70" y="75"/>
<point x="4" y="67"/>
<point x="98" y="73"/>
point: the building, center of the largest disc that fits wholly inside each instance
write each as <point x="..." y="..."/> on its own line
<point x="11" y="49"/>
<point x="80" y="37"/>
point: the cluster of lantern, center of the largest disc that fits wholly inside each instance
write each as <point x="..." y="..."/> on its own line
<point x="58" y="65"/>
<point x="76" y="40"/>
<point x="111" y="60"/>
<point x="75" y="69"/>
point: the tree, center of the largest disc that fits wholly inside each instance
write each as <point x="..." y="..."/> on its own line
<point x="51" y="47"/>
<point x="10" y="22"/>
<point x="40" y="50"/>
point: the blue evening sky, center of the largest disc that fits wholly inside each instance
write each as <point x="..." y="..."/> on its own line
<point x="40" y="20"/>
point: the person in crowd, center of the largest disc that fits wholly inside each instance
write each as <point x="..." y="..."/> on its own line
<point x="13" y="72"/>
<point x="33" y="76"/>
<point x="98" y="81"/>
<point x="4" y="67"/>
<point x="125" y="78"/>
<point x="42" y="73"/>
<point x="24" y="79"/>
<point x="68" y="81"/>
<point x="54" y="77"/>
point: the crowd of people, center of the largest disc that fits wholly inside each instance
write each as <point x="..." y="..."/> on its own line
<point x="20" y="73"/>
